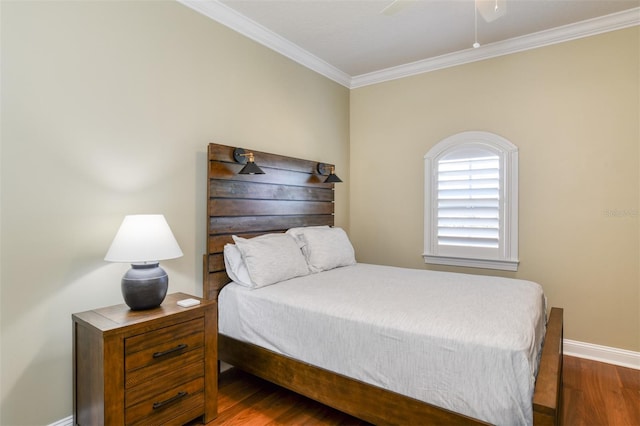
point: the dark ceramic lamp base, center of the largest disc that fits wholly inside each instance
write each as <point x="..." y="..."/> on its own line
<point x="144" y="286"/>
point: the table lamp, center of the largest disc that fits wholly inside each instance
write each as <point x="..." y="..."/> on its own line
<point x="143" y="240"/>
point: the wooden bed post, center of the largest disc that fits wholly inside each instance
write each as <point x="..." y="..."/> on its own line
<point x="547" y="399"/>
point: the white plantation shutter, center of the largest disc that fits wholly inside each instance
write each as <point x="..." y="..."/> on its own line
<point x="471" y="200"/>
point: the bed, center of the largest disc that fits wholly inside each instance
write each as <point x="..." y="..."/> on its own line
<point x="292" y="194"/>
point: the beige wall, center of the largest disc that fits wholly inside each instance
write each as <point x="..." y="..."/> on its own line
<point x="573" y="111"/>
<point x="107" y="109"/>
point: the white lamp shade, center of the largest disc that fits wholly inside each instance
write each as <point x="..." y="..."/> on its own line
<point x="143" y="238"/>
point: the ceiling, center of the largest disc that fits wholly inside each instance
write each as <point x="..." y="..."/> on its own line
<point x="357" y="42"/>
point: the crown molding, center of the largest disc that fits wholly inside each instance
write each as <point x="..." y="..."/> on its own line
<point x="615" y="21"/>
<point x="256" y="32"/>
<point x="251" y="29"/>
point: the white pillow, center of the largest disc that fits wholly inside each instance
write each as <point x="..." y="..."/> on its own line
<point x="236" y="269"/>
<point x="298" y="235"/>
<point x="271" y="258"/>
<point x="327" y="249"/>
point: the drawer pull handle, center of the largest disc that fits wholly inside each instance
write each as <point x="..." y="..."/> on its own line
<point x="171" y="400"/>
<point x="180" y="347"/>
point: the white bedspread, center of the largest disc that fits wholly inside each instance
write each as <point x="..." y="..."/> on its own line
<point x="467" y="343"/>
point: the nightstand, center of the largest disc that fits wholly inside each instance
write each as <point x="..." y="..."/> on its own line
<point x="157" y="366"/>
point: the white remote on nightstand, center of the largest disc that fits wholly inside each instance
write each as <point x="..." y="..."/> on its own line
<point x="185" y="303"/>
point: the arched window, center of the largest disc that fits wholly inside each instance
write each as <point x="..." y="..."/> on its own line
<point x="471" y="202"/>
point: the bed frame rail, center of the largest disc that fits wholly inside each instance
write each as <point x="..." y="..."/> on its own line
<point x="382" y="407"/>
<point x="359" y="399"/>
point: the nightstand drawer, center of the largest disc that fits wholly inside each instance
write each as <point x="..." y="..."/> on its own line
<point x="168" y="406"/>
<point x="160" y="357"/>
<point x="141" y="375"/>
<point x="155" y="385"/>
<point x="163" y="344"/>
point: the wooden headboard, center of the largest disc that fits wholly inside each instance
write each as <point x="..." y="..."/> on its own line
<point x="291" y="193"/>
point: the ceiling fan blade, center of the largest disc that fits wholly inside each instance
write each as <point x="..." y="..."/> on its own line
<point x="396" y="6"/>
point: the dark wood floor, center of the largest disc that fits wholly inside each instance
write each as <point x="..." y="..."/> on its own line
<point x="600" y="394"/>
<point x="594" y="394"/>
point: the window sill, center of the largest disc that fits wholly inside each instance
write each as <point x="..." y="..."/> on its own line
<point x="504" y="265"/>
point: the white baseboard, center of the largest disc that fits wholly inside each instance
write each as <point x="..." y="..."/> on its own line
<point x="621" y="357"/>
<point x="67" y="421"/>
